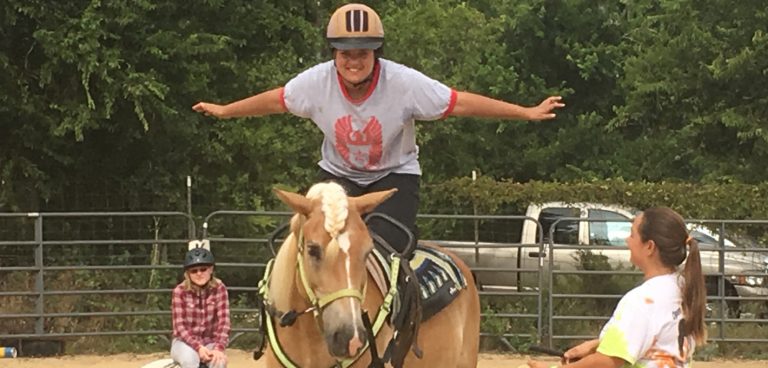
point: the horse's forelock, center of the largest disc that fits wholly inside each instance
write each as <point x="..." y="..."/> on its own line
<point x="335" y="205"/>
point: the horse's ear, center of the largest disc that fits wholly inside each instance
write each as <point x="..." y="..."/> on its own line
<point x="367" y="203"/>
<point x="299" y="203"/>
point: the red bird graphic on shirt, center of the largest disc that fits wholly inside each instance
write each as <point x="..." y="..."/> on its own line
<point x="361" y="149"/>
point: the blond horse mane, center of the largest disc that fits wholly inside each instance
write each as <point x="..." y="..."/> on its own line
<point x="335" y="207"/>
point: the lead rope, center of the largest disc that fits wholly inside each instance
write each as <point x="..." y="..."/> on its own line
<point x="258" y="353"/>
<point x="376" y="361"/>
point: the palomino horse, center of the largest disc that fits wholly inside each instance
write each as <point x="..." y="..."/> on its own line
<point x="321" y="268"/>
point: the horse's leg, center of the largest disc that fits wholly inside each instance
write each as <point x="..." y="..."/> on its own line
<point x="471" y="331"/>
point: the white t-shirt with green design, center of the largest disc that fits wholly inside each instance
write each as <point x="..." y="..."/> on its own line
<point x="644" y="328"/>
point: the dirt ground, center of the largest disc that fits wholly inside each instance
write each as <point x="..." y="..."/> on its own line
<point x="238" y="358"/>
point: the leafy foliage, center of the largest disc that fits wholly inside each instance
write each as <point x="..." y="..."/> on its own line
<point x="96" y="95"/>
<point x="702" y="201"/>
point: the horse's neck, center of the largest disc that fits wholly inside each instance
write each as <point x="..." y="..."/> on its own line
<point x="298" y="300"/>
<point x="302" y="341"/>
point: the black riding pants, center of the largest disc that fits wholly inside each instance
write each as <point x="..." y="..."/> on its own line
<point x="402" y="206"/>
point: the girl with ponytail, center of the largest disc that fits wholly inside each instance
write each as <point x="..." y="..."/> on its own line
<point x="659" y="323"/>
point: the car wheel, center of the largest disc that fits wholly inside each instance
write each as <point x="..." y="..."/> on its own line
<point x="732" y="307"/>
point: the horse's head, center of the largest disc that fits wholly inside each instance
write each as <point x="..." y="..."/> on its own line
<point x="332" y="244"/>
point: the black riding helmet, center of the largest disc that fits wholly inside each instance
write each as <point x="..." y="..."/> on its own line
<point x="198" y="256"/>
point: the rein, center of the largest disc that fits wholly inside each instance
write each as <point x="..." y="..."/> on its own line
<point x="317" y="305"/>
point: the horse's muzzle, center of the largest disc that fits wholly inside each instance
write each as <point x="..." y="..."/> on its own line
<point x="345" y="343"/>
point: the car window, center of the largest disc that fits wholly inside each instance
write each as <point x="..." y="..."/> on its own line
<point x="605" y="232"/>
<point x="707" y="238"/>
<point x="703" y="239"/>
<point x="566" y="232"/>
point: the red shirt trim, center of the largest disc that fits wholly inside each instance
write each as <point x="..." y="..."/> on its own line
<point x="282" y="98"/>
<point x="374" y="82"/>
<point x="451" y="104"/>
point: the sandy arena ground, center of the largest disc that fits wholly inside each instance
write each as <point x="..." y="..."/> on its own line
<point x="238" y="358"/>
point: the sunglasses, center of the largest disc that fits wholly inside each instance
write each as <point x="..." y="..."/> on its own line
<point x="197" y="270"/>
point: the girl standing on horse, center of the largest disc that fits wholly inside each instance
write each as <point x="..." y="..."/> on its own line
<point x="366" y="107"/>
<point x="658" y="323"/>
<point x="200" y="310"/>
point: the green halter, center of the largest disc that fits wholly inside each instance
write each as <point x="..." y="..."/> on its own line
<point x="317" y="305"/>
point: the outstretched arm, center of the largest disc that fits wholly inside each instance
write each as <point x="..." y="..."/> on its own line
<point x="265" y="103"/>
<point x="471" y="104"/>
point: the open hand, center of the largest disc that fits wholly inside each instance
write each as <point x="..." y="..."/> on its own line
<point x="545" y="110"/>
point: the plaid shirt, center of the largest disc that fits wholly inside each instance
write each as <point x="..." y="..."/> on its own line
<point x="201" y="317"/>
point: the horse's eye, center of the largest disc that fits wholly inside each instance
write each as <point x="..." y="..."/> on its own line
<point x="314" y="251"/>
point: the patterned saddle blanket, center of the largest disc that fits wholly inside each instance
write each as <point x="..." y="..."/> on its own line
<point x="440" y="279"/>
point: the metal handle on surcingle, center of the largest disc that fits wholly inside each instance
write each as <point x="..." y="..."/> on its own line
<point x="273" y="237"/>
<point x="411" y="247"/>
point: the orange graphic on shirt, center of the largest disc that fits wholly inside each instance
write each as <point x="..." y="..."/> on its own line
<point x="661" y="358"/>
<point x="361" y="149"/>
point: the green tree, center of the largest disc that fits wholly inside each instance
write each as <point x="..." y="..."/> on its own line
<point x="696" y="91"/>
<point x="96" y="95"/>
<point x="103" y="94"/>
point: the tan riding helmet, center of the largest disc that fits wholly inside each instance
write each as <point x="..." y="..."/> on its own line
<point x="355" y="26"/>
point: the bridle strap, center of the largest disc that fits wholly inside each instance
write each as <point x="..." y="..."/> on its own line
<point x="322" y="302"/>
<point x="344" y="293"/>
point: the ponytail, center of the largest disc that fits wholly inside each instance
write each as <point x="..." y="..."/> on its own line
<point x="694" y="294"/>
<point x="667" y="229"/>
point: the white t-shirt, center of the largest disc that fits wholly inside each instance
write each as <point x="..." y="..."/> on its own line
<point x="644" y="328"/>
<point x="368" y="139"/>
